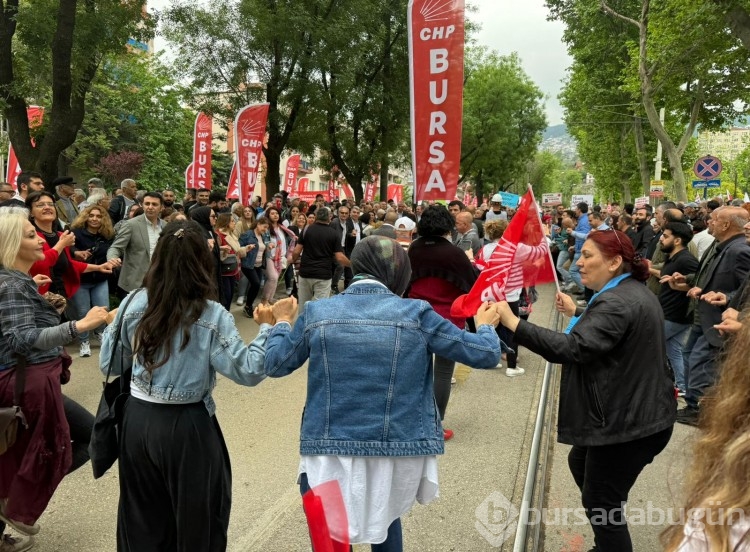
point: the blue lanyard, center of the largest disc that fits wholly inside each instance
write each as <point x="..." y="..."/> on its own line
<point x="609" y="285"/>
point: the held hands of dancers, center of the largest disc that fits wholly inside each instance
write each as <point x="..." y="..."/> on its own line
<point x="487" y="314"/>
<point x="282" y="311"/>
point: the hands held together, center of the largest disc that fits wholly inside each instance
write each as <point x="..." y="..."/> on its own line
<point x="281" y="311"/>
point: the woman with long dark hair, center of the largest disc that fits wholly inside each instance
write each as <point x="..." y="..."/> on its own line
<point x="256" y="242"/>
<point x="175" y="476"/>
<point x="206" y="218"/>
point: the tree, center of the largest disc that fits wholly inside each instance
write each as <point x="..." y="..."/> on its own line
<point x="503" y="120"/>
<point x="50" y="52"/>
<point x="135" y="105"/>
<point x="235" y="53"/>
<point x="364" y="91"/>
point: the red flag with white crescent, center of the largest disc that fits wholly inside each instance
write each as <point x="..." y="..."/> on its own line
<point x="249" y="130"/>
<point x="233" y="187"/>
<point x="395" y="192"/>
<point x="436" y="73"/>
<point x="292" y="166"/>
<point x="521" y="258"/>
<point x="34" y="114"/>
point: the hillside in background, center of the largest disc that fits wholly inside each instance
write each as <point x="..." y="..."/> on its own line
<point x="557" y="140"/>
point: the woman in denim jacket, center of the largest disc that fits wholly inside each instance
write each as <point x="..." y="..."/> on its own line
<point x="175" y="477"/>
<point x="254" y="264"/>
<point x="370" y="420"/>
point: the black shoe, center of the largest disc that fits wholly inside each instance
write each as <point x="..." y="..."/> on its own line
<point x="688" y="416"/>
<point x="247" y="311"/>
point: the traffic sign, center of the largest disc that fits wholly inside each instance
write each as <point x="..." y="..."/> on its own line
<point x="707" y="183"/>
<point x="707" y="167"/>
<point x="657" y="188"/>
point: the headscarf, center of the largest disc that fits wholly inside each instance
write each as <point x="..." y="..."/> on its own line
<point x="384" y="260"/>
<point x="202" y="215"/>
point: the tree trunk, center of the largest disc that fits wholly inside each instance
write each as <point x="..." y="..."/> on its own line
<point x="640" y="147"/>
<point x="384" y="167"/>
<point x="738" y="20"/>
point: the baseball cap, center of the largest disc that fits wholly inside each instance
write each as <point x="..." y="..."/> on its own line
<point x="405" y="223"/>
<point x="497" y="198"/>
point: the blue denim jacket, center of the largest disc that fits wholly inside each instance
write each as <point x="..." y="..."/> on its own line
<point x="189" y="375"/>
<point x="249" y="237"/>
<point x="369" y="379"/>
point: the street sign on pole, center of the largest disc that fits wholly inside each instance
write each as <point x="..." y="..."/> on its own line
<point x="707" y="183"/>
<point x="707" y="167"/>
<point x="657" y="188"/>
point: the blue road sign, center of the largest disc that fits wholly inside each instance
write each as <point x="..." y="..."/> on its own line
<point x="706" y="183"/>
<point x="707" y="167"/>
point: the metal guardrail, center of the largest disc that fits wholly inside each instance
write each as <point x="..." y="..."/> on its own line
<point x="520" y="543"/>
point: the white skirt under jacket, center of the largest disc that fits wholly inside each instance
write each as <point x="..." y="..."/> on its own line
<point x="376" y="490"/>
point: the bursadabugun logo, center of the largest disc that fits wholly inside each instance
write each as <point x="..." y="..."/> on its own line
<point x="497" y="519"/>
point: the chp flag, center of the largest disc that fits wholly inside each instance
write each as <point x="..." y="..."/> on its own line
<point x="249" y="130"/>
<point x="521" y="259"/>
<point x="201" y="165"/>
<point x="436" y="73"/>
<point x="233" y="187"/>
<point x="290" y="177"/>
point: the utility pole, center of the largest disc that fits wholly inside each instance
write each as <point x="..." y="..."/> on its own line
<point x="657" y="165"/>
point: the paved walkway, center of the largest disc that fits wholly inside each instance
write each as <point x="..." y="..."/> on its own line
<point x="485" y="463"/>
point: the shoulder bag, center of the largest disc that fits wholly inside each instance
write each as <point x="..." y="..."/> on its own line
<point x="104" y="447"/>
<point x="12" y="416"/>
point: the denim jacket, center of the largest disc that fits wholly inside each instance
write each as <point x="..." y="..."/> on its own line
<point x="369" y="378"/>
<point x="189" y="375"/>
<point x="249" y="237"/>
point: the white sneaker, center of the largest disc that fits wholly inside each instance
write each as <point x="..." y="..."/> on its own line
<point x="85" y="349"/>
<point x="288" y="291"/>
<point x="241" y="300"/>
<point x="513" y="372"/>
<point x="499" y="364"/>
<point x="9" y="543"/>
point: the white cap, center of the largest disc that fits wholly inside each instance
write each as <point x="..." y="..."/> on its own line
<point x="405" y="223"/>
<point x="497" y="198"/>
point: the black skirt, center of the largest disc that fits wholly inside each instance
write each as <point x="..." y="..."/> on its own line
<point x="175" y="480"/>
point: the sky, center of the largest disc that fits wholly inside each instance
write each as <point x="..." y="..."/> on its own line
<point x="519" y="26"/>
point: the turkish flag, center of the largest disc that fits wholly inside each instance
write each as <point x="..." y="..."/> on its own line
<point x="521" y="258"/>
<point x="436" y="74"/>
<point x="249" y="130"/>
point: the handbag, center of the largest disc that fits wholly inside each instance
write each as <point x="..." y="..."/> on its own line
<point x="12" y="416"/>
<point x="104" y="447"/>
<point x="229" y="265"/>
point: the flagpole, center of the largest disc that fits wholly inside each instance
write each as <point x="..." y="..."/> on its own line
<point x="549" y="250"/>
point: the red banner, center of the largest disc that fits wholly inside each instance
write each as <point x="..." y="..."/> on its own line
<point x="233" y="186"/>
<point x="202" y="138"/>
<point x="370" y="191"/>
<point x="34" y="113"/>
<point x="521" y="258"/>
<point x="301" y="186"/>
<point x="189" y="177"/>
<point x="331" y="189"/>
<point x="396" y="192"/>
<point x="436" y="73"/>
<point x="290" y="178"/>
<point x="249" y="130"/>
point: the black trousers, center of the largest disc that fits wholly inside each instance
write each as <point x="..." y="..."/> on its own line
<point x="253" y="276"/>
<point x="175" y="480"/>
<point x="443" y="373"/>
<point x="605" y="475"/>
<point x="509" y="338"/>
<point x="81" y="422"/>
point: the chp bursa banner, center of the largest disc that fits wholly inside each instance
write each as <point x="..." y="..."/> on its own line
<point x="290" y="178"/>
<point x="249" y="130"/>
<point x="34" y="114"/>
<point x="436" y="73"/>
<point x="233" y="187"/>
<point x="202" y="139"/>
<point x="189" y="177"/>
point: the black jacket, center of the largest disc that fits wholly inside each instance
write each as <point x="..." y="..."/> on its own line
<point x="643" y="236"/>
<point x="351" y="241"/>
<point x="616" y="385"/>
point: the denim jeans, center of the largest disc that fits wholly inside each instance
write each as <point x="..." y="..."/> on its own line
<point x="700" y="372"/>
<point x="605" y="474"/>
<point x="575" y="273"/>
<point x="562" y="258"/>
<point x="675" y="335"/>
<point x="88" y="296"/>
<point x="394" y="542"/>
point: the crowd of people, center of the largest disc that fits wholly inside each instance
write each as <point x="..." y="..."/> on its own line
<point x="361" y="292"/>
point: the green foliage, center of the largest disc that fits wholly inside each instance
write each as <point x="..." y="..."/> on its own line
<point x="136" y="106"/>
<point x="503" y="120"/>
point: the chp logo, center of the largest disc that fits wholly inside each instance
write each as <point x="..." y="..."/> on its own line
<point x="497" y="519"/>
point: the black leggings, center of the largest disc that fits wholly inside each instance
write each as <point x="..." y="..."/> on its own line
<point x="81" y="422"/>
<point x="509" y="338"/>
<point x="254" y="276"/>
<point x="443" y="373"/>
<point x="605" y="475"/>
